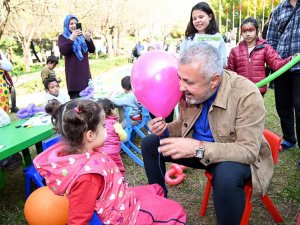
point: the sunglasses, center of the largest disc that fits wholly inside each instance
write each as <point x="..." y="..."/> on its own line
<point x="250" y="29"/>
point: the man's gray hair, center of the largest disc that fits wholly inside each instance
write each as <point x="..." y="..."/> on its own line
<point x="208" y="55"/>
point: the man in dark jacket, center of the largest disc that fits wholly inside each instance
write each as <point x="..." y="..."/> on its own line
<point x="284" y="36"/>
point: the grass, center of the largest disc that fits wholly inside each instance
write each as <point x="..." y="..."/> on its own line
<point x="284" y="189"/>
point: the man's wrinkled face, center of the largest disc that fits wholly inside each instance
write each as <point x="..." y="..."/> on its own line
<point x="192" y="83"/>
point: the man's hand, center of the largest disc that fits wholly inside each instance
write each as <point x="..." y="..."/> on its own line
<point x="157" y="126"/>
<point x="178" y="148"/>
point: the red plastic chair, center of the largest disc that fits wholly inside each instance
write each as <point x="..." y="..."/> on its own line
<point x="274" y="142"/>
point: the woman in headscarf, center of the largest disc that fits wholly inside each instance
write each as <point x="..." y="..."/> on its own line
<point x="75" y="47"/>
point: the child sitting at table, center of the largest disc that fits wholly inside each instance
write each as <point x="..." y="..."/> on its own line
<point x="115" y="133"/>
<point x="90" y="178"/>
<point x="129" y="100"/>
<point x="52" y="91"/>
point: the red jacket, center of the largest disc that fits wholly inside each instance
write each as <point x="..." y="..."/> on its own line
<point x="253" y="66"/>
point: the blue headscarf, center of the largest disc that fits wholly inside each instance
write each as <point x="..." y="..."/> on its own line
<point x="79" y="44"/>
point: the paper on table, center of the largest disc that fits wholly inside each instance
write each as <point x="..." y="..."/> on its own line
<point x="38" y="121"/>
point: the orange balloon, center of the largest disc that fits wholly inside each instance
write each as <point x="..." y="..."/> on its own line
<point x="43" y="207"/>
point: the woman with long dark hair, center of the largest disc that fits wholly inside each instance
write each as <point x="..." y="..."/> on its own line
<point x="203" y="27"/>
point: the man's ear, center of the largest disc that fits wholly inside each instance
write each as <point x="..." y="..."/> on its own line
<point x="215" y="81"/>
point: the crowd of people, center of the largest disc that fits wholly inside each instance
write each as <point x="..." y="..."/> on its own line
<point x="219" y="127"/>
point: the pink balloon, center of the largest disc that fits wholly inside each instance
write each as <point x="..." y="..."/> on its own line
<point x="155" y="82"/>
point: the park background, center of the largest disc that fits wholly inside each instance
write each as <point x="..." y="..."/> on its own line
<point x="29" y="31"/>
<point x="29" y="28"/>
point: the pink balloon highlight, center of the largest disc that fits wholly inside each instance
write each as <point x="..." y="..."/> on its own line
<point x="155" y="82"/>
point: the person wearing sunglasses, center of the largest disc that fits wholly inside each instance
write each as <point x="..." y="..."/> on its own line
<point x="248" y="58"/>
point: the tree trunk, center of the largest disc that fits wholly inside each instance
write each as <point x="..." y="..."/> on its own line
<point x="4" y="13"/>
<point x="240" y="22"/>
<point x="226" y="23"/>
<point x="233" y="18"/>
<point x="27" y="55"/>
<point x="220" y="16"/>
<point x="109" y="45"/>
<point x="248" y="10"/>
<point x="117" y="42"/>
<point x="34" y="52"/>
<point x="263" y="17"/>
<point x="255" y="6"/>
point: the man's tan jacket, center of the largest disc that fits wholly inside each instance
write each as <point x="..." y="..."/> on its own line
<point x="236" y="119"/>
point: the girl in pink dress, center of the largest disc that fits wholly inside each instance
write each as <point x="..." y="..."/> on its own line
<point x="91" y="179"/>
<point x="115" y="133"/>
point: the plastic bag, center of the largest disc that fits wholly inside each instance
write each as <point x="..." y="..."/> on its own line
<point x="4" y="118"/>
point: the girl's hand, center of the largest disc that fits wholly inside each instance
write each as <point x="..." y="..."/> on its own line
<point x="157" y="126"/>
<point x="75" y="34"/>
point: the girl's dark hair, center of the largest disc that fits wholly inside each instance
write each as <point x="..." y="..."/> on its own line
<point x="74" y="118"/>
<point x="107" y="105"/>
<point x="253" y="21"/>
<point x="212" y="28"/>
<point x="47" y="81"/>
<point x="52" y="59"/>
<point x="125" y="83"/>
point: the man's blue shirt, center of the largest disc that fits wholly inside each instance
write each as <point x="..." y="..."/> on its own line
<point x="201" y="127"/>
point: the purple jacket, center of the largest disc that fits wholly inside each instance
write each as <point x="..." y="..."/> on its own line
<point x="77" y="72"/>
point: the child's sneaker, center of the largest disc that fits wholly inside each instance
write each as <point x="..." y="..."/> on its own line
<point x="11" y="163"/>
<point x="286" y="144"/>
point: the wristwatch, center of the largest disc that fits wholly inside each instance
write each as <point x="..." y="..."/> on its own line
<point x="199" y="152"/>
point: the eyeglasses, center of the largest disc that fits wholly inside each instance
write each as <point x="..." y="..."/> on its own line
<point x="250" y="29"/>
